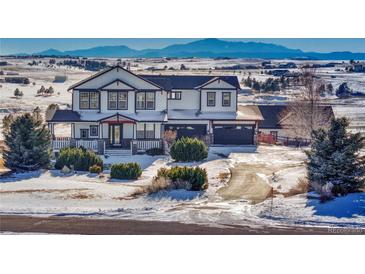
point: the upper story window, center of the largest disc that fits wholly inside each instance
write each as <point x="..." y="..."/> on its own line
<point x="175" y="95"/>
<point x="117" y="100"/>
<point x="145" y="100"/>
<point x="210" y="99"/>
<point x="89" y="99"/>
<point x="226" y="99"/>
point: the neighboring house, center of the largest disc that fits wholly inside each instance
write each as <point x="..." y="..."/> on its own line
<point x="274" y="119"/>
<point x="271" y="123"/>
<point x="118" y="112"/>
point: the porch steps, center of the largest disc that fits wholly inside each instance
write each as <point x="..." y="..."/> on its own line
<point x="118" y="152"/>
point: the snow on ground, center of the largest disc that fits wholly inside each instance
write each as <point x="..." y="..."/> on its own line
<point x="50" y="193"/>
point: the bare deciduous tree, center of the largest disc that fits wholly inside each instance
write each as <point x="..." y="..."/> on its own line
<point x="169" y="138"/>
<point x="306" y="112"/>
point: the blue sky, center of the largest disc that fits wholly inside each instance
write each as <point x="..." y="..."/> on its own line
<point x="33" y="45"/>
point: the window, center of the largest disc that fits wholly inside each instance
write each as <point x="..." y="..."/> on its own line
<point x="89" y="100"/>
<point x="84" y="100"/>
<point x="122" y="100"/>
<point x="94" y="131"/>
<point x="226" y="99"/>
<point x="145" y="131"/>
<point x="210" y="99"/>
<point x="112" y="100"/>
<point x="175" y="95"/>
<point x="150" y="100"/>
<point x="140" y="131"/>
<point x="94" y="100"/>
<point x="84" y="133"/>
<point x="150" y="131"/>
<point x="141" y="96"/>
<point x="145" y="100"/>
<point x="117" y="100"/>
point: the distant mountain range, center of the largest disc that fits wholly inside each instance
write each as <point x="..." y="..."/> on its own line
<point x="208" y="48"/>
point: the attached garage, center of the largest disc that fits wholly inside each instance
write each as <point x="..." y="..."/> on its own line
<point x="187" y="130"/>
<point x="233" y="134"/>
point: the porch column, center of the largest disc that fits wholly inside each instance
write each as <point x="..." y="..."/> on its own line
<point x="72" y="130"/>
<point x="51" y="129"/>
<point x="101" y="131"/>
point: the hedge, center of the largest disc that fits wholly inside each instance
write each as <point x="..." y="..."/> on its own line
<point x="125" y="171"/>
<point x="197" y="177"/>
<point x="95" y="169"/>
<point x="188" y="150"/>
<point x="80" y="158"/>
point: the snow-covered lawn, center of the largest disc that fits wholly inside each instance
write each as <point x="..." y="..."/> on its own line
<point x="50" y="193"/>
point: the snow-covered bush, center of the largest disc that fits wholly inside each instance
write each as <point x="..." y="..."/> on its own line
<point x="188" y="150"/>
<point x="189" y="178"/>
<point x="95" y="169"/>
<point x="334" y="164"/>
<point x="125" y="171"/>
<point x="79" y="158"/>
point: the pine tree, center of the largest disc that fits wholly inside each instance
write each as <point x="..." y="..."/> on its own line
<point x="256" y="86"/>
<point x="18" y="93"/>
<point x="28" y="144"/>
<point x="343" y="91"/>
<point x="37" y="114"/>
<point x="330" y="88"/>
<point x="50" y="90"/>
<point x="334" y="158"/>
<point x="7" y="121"/>
<point x="41" y="91"/>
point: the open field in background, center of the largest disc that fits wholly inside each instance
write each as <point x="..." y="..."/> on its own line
<point x="43" y="74"/>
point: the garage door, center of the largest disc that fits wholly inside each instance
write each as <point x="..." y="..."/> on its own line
<point x="233" y="135"/>
<point x="187" y="130"/>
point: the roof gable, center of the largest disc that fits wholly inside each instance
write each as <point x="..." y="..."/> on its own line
<point x="117" y="85"/>
<point x="117" y="118"/>
<point x="217" y="83"/>
<point x="112" y="74"/>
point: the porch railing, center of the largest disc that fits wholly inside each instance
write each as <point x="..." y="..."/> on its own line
<point x="147" y="144"/>
<point x="100" y="145"/>
<point x="88" y="144"/>
<point x="60" y="143"/>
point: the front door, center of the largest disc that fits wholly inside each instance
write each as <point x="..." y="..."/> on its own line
<point x="115" y="135"/>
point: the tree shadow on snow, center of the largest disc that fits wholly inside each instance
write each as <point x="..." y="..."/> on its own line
<point x="20" y="176"/>
<point x="216" y="153"/>
<point x="177" y="195"/>
<point x="341" y="207"/>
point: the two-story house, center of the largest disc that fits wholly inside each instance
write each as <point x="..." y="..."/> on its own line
<point x="117" y="111"/>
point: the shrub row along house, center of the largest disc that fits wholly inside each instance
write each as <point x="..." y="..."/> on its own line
<point x="117" y="112"/>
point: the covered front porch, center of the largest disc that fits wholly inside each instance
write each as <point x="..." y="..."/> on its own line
<point x="114" y="135"/>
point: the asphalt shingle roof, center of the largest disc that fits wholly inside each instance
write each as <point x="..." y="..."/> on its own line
<point x="169" y="82"/>
<point x="272" y="115"/>
<point x="65" y="115"/>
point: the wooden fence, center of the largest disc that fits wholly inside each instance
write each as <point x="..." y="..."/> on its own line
<point x="286" y="141"/>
